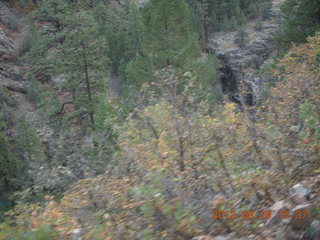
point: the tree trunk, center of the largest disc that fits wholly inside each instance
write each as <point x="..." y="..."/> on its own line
<point x="88" y="87"/>
<point x="203" y="35"/>
<point x="203" y="28"/>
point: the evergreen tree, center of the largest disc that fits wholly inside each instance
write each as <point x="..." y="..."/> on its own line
<point x="9" y="164"/>
<point x="27" y="141"/>
<point x="112" y="24"/>
<point x="201" y="20"/>
<point x="301" y="19"/>
<point x="74" y="49"/>
<point x="82" y="62"/>
<point x="233" y="23"/>
<point x="250" y="8"/>
<point x="226" y="25"/>
<point x="135" y="31"/>
<point x="242" y="19"/>
<point x="167" y="41"/>
<point x="265" y="11"/>
<point x="215" y="26"/>
<point x="139" y="71"/>
<point x="223" y="13"/>
<point x="230" y="8"/>
<point x="194" y="16"/>
<point x="203" y="16"/>
<point x="259" y="24"/>
<point x="241" y="37"/>
<point x="52" y="13"/>
<point x="170" y="40"/>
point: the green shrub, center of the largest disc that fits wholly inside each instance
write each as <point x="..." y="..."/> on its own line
<point x="34" y="89"/>
<point x="241" y="37"/>
<point x="30" y="37"/>
<point x="25" y="46"/>
<point x="44" y="233"/>
<point x="5" y="205"/>
<point x="266" y="6"/>
<point x="9" y="164"/>
<point x="13" y="24"/>
<point x="259" y="24"/>
<point x="308" y="113"/>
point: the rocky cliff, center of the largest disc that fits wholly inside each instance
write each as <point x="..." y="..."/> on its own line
<point x="239" y="63"/>
<point x="9" y="79"/>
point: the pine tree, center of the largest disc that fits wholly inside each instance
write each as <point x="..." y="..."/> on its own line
<point x="82" y="62"/>
<point x="233" y="23"/>
<point x="241" y="37"/>
<point x="52" y="13"/>
<point x="167" y="40"/>
<point x="27" y="141"/>
<point x="135" y="31"/>
<point x="170" y="40"/>
<point x="112" y="24"/>
<point x="259" y="24"/>
<point x="214" y="21"/>
<point x="139" y="71"/>
<point x="9" y="164"/>
<point x="226" y="25"/>
<point x="242" y="19"/>
<point x="204" y="18"/>
<point x="74" y="49"/>
<point x="265" y="11"/>
<point x="301" y="19"/>
<point x="194" y="16"/>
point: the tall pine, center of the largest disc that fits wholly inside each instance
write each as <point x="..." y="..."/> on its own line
<point x="27" y="142"/>
<point x="72" y="48"/>
<point x="82" y="62"/>
<point x="9" y="164"/>
<point x="301" y="19"/>
<point x="169" y="39"/>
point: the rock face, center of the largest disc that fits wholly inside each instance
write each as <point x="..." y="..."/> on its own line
<point x="6" y="56"/>
<point x="13" y="85"/>
<point x="301" y="190"/>
<point x="5" y="14"/>
<point x="240" y="63"/>
<point x="6" y="44"/>
<point x="7" y="71"/>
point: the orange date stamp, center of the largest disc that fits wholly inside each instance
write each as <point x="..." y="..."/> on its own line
<point x="262" y="214"/>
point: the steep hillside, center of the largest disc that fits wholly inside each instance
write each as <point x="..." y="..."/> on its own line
<point x="159" y="119"/>
<point x="147" y="196"/>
